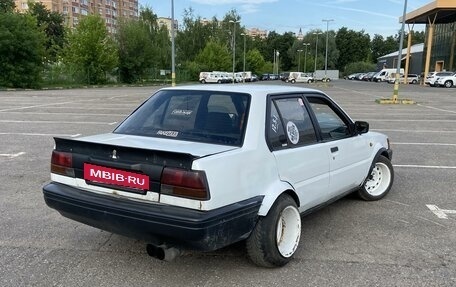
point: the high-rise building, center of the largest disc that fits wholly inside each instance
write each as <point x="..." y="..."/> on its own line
<point x="163" y="21"/>
<point x="73" y="10"/>
<point x="255" y="32"/>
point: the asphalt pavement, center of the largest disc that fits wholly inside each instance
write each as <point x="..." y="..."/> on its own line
<point x="406" y="239"/>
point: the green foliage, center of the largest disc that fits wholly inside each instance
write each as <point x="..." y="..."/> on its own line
<point x="136" y="51"/>
<point x="255" y="61"/>
<point x="7" y="6"/>
<point x="215" y="57"/>
<point x="21" y="50"/>
<point x="359" y="67"/>
<point x="52" y="25"/>
<point x="90" y="51"/>
<point x="353" y="46"/>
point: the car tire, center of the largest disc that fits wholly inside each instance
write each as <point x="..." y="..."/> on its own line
<point x="275" y="237"/>
<point x="309" y="81"/>
<point x="203" y="81"/>
<point x="219" y="81"/>
<point x="448" y="84"/>
<point x="293" y="81"/>
<point x="414" y="82"/>
<point x="379" y="181"/>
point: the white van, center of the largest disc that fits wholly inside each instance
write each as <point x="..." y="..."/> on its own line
<point x="297" y="77"/>
<point x="384" y="74"/>
<point x="208" y="77"/>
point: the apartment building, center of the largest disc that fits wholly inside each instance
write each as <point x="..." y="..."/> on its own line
<point x="255" y="32"/>
<point x="164" y="21"/>
<point x="74" y="10"/>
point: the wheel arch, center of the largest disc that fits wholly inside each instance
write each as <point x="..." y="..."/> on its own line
<point x="273" y="193"/>
<point x="381" y="152"/>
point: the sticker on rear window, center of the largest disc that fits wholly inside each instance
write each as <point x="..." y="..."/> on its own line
<point x="292" y="132"/>
<point x="274" y="123"/>
<point x="168" y="133"/>
<point x="182" y="112"/>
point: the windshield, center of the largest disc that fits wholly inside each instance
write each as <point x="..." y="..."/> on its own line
<point x="201" y="116"/>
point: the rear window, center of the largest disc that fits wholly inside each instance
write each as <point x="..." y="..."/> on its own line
<point x="200" y="116"/>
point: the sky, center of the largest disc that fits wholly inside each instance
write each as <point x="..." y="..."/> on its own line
<point x="372" y="16"/>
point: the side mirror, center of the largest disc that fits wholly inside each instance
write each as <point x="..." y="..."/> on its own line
<point x="361" y="127"/>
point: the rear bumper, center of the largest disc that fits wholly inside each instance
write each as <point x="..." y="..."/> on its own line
<point x="155" y="223"/>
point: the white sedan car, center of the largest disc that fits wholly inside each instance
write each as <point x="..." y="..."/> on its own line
<point x="202" y="167"/>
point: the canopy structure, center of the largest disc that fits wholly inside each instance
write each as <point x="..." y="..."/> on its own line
<point x="439" y="11"/>
<point x="436" y="12"/>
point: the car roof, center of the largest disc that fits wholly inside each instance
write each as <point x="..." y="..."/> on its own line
<point x="240" y="88"/>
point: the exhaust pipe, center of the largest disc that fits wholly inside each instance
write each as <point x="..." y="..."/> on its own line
<point x="163" y="252"/>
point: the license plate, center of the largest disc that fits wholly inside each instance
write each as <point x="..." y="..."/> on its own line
<point x="106" y="175"/>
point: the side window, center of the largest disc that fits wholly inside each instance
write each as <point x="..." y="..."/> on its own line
<point x="276" y="134"/>
<point x="331" y="124"/>
<point x="295" y="120"/>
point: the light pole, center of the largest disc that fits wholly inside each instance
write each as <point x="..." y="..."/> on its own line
<point x="327" y="33"/>
<point x="243" y="72"/>
<point x="316" y="50"/>
<point x="173" y="52"/>
<point x="399" y="55"/>
<point x="299" y="60"/>
<point x="305" y="56"/>
<point x="234" y="45"/>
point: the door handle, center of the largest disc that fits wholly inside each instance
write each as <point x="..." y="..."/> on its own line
<point x="334" y="149"/>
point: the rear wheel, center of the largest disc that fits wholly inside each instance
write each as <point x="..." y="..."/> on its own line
<point x="275" y="237"/>
<point x="293" y="81"/>
<point x="448" y="84"/>
<point x="219" y="81"/>
<point x="203" y="81"/>
<point x="309" y="81"/>
<point x="414" y="82"/>
<point x="380" y="180"/>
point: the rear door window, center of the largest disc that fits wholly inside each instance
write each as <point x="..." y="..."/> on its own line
<point x="290" y="124"/>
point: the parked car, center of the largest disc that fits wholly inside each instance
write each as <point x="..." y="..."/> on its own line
<point x="446" y="81"/>
<point x="210" y="77"/>
<point x="265" y="77"/>
<point x="368" y="76"/>
<point x="201" y="167"/>
<point x="384" y="74"/>
<point x="352" y="76"/>
<point x="431" y="78"/>
<point x="284" y="76"/>
<point x="298" y="77"/>
<point x="411" y="79"/>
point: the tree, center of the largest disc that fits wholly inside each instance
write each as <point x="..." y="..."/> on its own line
<point x="90" y="50"/>
<point x="193" y="37"/>
<point x="136" y="51"/>
<point x="21" y="50"/>
<point x="52" y="25"/>
<point x="7" y="6"/>
<point x="353" y="46"/>
<point x="254" y="61"/>
<point x="215" y="57"/>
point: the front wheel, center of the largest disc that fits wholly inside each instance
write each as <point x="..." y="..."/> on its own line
<point x="275" y="237"/>
<point x="293" y="81"/>
<point x="448" y="84"/>
<point x="380" y="180"/>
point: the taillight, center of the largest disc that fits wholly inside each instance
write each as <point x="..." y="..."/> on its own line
<point x="62" y="163"/>
<point x="185" y="183"/>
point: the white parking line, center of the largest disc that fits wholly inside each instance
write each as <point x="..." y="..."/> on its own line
<point x="43" y="135"/>
<point x="437" y="109"/>
<point x="425" y="166"/>
<point x="441" y="213"/>
<point x="412" y="131"/>
<point x="401" y="120"/>
<point x="67" y="114"/>
<point x="54" y="122"/>
<point x="12" y="155"/>
<point x="425" y="144"/>
<point x="42" y="105"/>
